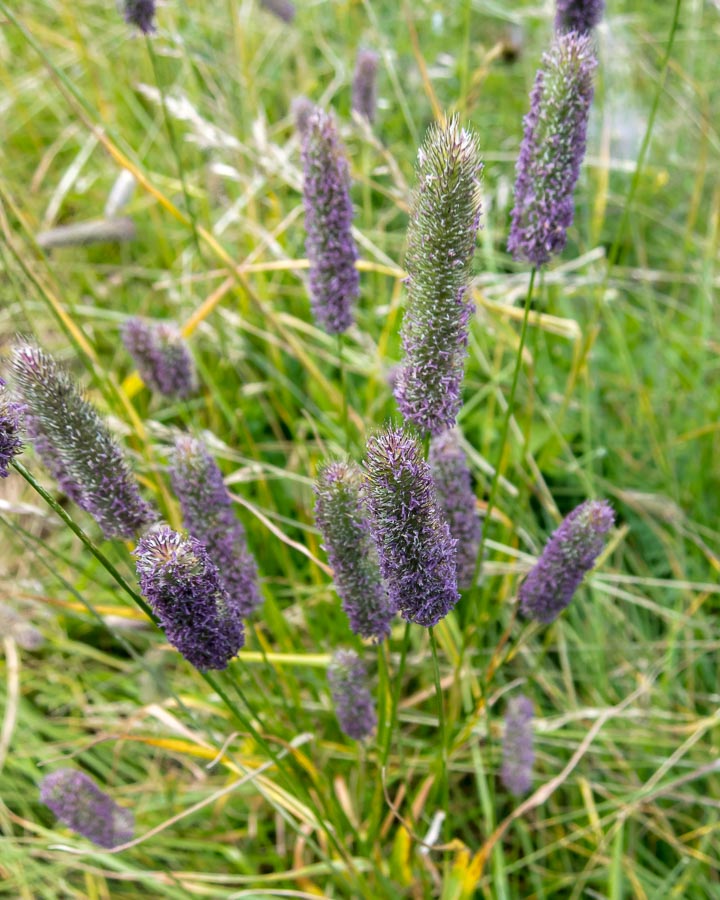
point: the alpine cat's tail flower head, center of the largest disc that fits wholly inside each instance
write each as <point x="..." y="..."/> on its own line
<point x="282" y="9"/>
<point x="354" y="705"/>
<point x="578" y="15"/>
<point x="11" y="429"/>
<point x="552" y="150"/>
<point x="415" y="547"/>
<point x="364" y="87"/>
<point x="141" y="14"/>
<point x="457" y="499"/>
<point x="518" y="752"/>
<point x="444" y="220"/>
<point x="70" y="435"/>
<point x="184" y="589"/>
<point x="342" y="519"/>
<point x="80" y="804"/>
<point x="209" y="516"/>
<point x="330" y="246"/>
<point x="162" y="357"/>
<point x="568" y="556"/>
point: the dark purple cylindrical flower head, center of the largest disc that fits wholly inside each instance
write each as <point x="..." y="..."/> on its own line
<point x="568" y="556"/>
<point x="162" y="357"/>
<point x="552" y="149"/>
<point x="364" y="88"/>
<point x="415" y="547"/>
<point x="578" y="15"/>
<point x="80" y="804"/>
<point x="283" y="9"/>
<point x="11" y="428"/>
<point x="330" y="246"/>
<point x="354" y="705"/>
<point x="457" y="499"/>
<point x="80" y="452"/>
<point x="444" y="220"/>
<point x="184" y="589"/>
<point x="209" y="516"/>
<point x="342" y="518"/>
<point x="518" y="752"/>
<point x="302" y="109"/>
<point x="141" y="14"/>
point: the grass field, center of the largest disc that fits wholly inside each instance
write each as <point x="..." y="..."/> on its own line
<point x="617" y="398"/>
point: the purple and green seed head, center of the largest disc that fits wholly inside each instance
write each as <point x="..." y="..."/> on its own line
<point x="518" y="754"/>
<point x="183" y="586"/>
<point x="552" y="149"/>
<point x="353" y="702"/>
<point x="141" y="14"/>
<point x="162" y="357"/>
<point x="342" y="518"/>
<point x="330" y="246"/>
<point x="568" y="556"/>
<point x="578" y="15"/>
<point x="11" y="429"/>
<point x="80" y="805"/>
<point x="364" y="87"/>
<point x="415" y="548"/>
<point x="209" y="516"/>
<point x="444" y="220"/>
<point x="457" y="500"/>
<point x="73" y="440"/>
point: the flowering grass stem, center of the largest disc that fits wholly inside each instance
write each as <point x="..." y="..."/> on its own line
<point x="505" y="428"/>
<point x="443" y="774"/>
<point x="344" y="392"/>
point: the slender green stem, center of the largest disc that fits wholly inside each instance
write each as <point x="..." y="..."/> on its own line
<point x="77" y="530"/>
<point x="443" y="774"/>
<point x="175" y="149"/>
<point x="344" y="392"/>
<point x="505" y="428"/>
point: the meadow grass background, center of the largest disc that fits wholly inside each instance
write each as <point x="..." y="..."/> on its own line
<point x="618" y="398"/>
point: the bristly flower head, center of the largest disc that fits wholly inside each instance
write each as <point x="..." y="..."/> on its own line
<point x="578" y="15"/>
<point x="330" y="246"/>
<point x="283" y="9"/>
<point x="302" y="109"/>
<point x="568" y="555"/>
<point x="364" y="88"/>
<point x="444" y="220"/>
<point x="11" y="427"/>
<point x="209" y="516"/>
<point x="552" y="149"/>
<point x="80" y="804"/>
<point x="162" y="357"/>
<point x="72" y="438"/>
<point x="354" y="705"/>
<point x="518" y="753"/>
<point x="415" y="548"/>
<point x="141" y="14"/>
<point x="184" y="589"/>
<point x="341" y="517"/>
<point x="457" y="499"/>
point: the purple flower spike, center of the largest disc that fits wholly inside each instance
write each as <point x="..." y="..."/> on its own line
<point x="415" y="548"/>
<point x="301" y="110"/>
<point x="185" y="591"/>
<point x="354" y="705"/>
<point x="283" y="9"/>
<point x="71" y="437"/>
<point x="208" y="515"/>
<point x="578" y="15"/>
<point x="141" y="14"/>
<point x="341" y="517"/>
<point x="11" y="427"/>
<point x="568" y="556"/>
<point x="444" y="220"/>
<point x="364" y="88"/>
<point x="457" y="500"/>
<point x="80" y="804"/>
<point x="162" y="357"/>
<point x="330" y="246"/>
<point x="552" y="149"/>
<point x="518" y="753"/>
